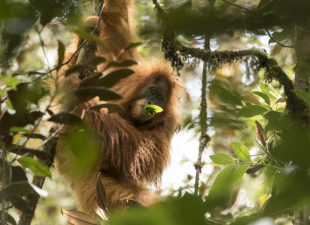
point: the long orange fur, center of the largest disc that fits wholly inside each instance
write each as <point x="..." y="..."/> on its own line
<point x="132" y="155"/>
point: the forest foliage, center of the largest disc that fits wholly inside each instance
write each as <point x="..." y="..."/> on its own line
<point x="253" y="113"/>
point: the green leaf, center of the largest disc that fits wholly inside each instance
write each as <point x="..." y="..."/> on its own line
<point x="20" y="130"/>
<point x="86" y="93"/>
<point x="67" y="118"/>
<point x="278" y="36"/>
<point x="152" y="109"/>
<point x="222" y="187"/>
<point x="252" y="110"/>
<point x="133" y="45"/>
<point x="38" y="168"/>
<point x="241" y="151"/>
<point x="9" y="104"/>
<point x="12" y="82"/>
<point x="263" y="96"/>
<point x="222" y="159"/>
<point x="91" y="37"/>
<point x="112" y="78"/>
<point x="125" y="63"/>
<point x="220" y="190"/>
<point x="228" y="96"/>
<point x="238" y="173"/>
<point x="266" y="89"/>
<point x="303" y="95"/>
<point x="84" y="145"/>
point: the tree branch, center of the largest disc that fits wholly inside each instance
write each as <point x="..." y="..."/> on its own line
<point x="204" y="138"/>
<point x="295" y="107"/>
<point x="191" y="22"/>
<point x="34" y="197"/>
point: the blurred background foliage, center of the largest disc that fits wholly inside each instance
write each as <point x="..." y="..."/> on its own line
<point x="255" y="168"/>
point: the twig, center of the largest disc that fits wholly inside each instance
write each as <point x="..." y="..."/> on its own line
<point x="3" y="100"/>
<point x="158" y="8"/>
<point x="42" y="46"/>
<point x="204" y="138"/>
<point x="49" y="148"/>
<point x="279" y="43"/>
<point x="77" y="50"/>
<point x="238" y="6"/>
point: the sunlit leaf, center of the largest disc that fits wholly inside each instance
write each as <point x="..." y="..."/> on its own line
<point x="91" y="37"/>
<point x="222" y="187"/>
<point x="222" y="159"/>
<point x="12" y="82"/>
<point x="38" y="168"/>
<point x="252" y="110"/>
<point x="263" y="96"/>
<point x="266" y="89"/>
<point x="238" y="173"/>
<point x="20" y="130"/>
<point x="278" y="36"/>
<point x="153" y="109"/>
<point x="241" y="151"/>
<point x="133" y="45"/>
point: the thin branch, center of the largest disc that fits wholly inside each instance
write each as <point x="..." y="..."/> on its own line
<point x="204" y="138"/>
<point x="34" y="197"/>
<point x="42" y="46"/>
<point x="279" y="43"/>
<point x="236" y="5"/>
<point x="158" y="8"/>
<point x="78" y="48"/>
<point x="49" y="147"/>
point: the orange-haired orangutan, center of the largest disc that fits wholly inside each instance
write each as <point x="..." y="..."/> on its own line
<point x="135" y="150"/>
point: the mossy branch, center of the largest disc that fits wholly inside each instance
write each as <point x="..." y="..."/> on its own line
<point x="295" y="107"/>
<point x="33" y="198"/>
